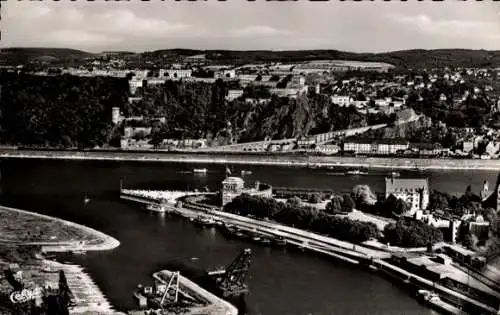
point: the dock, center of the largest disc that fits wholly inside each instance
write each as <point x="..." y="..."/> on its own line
<point x="88" y="298"/>
<point x="202" y="301"/>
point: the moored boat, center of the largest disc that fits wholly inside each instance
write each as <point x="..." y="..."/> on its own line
<point x="200" y="170"/>
<point x="356" y="172"/>
<point x="155" y="207"/>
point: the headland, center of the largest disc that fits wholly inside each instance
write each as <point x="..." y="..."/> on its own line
<point x="24" y="234"/>
<point x="249" y="158"/>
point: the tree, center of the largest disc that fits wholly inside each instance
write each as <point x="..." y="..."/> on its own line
<point x="362" y="195"/>
<point x="347" y="204"/>
<point x="294" y="202"/>
<point x="314" y="198"/>
<point x="468" y="241"/>
<point x="490" y="215"/>
<point x="411" y="233"/>
<point x="335" y="205"/>
<point x="438" y="200"/>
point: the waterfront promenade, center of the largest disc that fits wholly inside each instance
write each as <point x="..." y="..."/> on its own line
<point x="277" y="159"/>
<point x="349" y="252"/>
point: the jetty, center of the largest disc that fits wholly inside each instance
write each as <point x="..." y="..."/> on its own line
<point x="88" y="298"/>
<point x="175" y="294"/>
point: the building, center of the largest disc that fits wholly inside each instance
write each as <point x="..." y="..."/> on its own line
<point x="414" y="191"/>
<point x="382" y="146"/>
<point x="134" y="84"/>
<point x="225" y="74"/>
<point x="449" y="227"/>
<point x="116" y="117"/>
<point x="233" y="94"/>
<point x="327" y="148"/>
<point x="130" y="132"/>
<point x="342" y="100"/>
<point x="493" y="199"/>
<point x="233" y="187"/>
<point x="175" y="73"/>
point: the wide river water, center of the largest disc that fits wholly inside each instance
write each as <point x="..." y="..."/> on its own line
<point x="280" y="281"/>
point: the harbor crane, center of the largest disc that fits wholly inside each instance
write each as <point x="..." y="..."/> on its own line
<point x="232" y="282"/>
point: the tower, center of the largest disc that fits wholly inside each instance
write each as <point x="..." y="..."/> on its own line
<point x="115" y="115"/>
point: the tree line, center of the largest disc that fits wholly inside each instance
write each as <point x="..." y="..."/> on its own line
<point x="303" y="217"/>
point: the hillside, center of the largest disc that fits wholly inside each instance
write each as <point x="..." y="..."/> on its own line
<point x="415" y="59"/>
<point x="19" y="56"/>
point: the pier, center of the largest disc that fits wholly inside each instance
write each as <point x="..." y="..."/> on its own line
<point x="195" y="300"/>
<point x="88" y="298"/>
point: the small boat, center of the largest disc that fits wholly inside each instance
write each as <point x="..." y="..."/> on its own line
<point x="373" y="268"/>
<point x="395" y="174"/>
<point x="156" y="208"/>
<point x="200" y="170"/>
<point x="86" y="200"/>
<point x="217" y="271"/>
<point x="245" y="172"/>
<point x="356" y="172"/>
<point x="256" y="238"/>
<point x="280" y="241"/>
<point x="194" y="258"/>
<point x="265" y="241"/>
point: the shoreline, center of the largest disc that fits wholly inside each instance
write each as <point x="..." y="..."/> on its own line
<point x="272" y="159"/>
<point x="88" y="296"/>
<point x="108" y="242"/>
<point x="355" y="254"/>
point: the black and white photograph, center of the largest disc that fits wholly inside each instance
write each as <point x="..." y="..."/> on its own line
<point x="249" y="157"/>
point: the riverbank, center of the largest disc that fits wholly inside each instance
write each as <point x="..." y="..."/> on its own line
<point x="357" y="254"/>
<point x="54" y="234"/>
<point x="22" y="229"/>
<point x="277" y="159"/>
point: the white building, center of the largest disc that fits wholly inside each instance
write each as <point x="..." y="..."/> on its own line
<point x="342" y="100"/>
<point x="414" y="191"/>
<point x="233" y="94"/>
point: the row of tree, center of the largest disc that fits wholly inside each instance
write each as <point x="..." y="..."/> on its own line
<point x="303" y="217"/>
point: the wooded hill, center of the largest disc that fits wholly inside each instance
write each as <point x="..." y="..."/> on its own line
<point x="415" y="59"/>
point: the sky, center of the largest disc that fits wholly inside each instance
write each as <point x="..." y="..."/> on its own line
<point x="138" y="26"/>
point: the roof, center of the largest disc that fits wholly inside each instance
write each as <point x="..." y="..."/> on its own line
<point x="377" y="141"/>
<point x="238" y="180"/>
<point x="391" y="184"/>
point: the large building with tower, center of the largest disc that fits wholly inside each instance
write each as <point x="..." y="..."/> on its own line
<point x="414" y="191"/>
<point x="233" y="187"/>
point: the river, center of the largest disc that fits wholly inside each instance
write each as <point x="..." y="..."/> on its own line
<point x="281" y="282"/>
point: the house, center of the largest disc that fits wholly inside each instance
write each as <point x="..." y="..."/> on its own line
<point x="175" y="73"/>
<point x="130" y="132"/>
<point x="233" y="94"/>
<point x="414" y="191"/>
<point x="342" y="100"/>
<point x="304" y="142"/>
<point x="468" y="146"/>
<point x="225" y="74"/>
